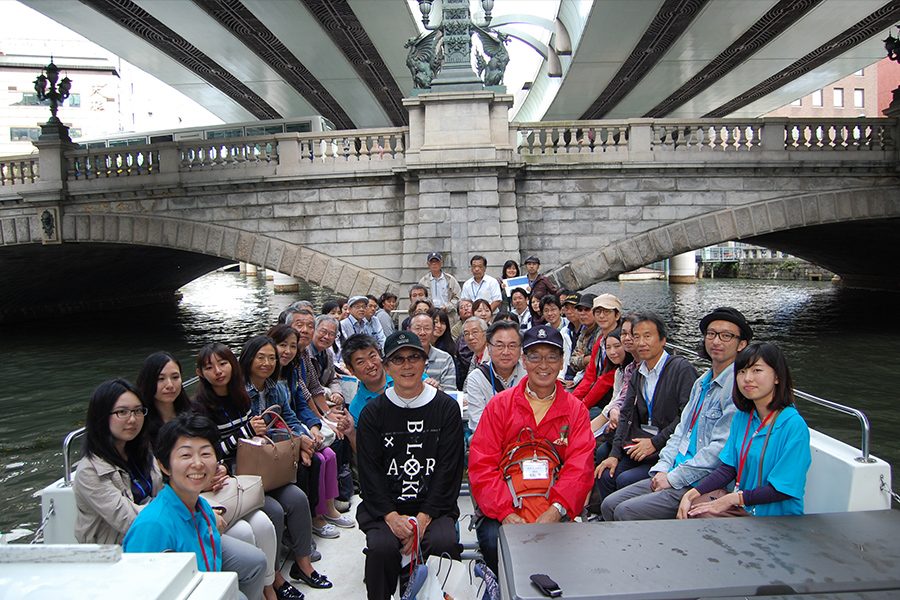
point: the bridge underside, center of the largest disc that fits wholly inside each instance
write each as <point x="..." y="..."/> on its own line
<point x="76" y="277"/>
<point x="861" y="252"/>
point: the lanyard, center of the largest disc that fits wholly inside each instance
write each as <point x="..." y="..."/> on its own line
<point x="212" y="540"/>
<point x="649" y="400"/>
<point x="704" y="391"/>
<point x="742" y="457"/>
<point x="138" y="483"/>
<point x="478" y="291"/>
<point x="231" y="421"/>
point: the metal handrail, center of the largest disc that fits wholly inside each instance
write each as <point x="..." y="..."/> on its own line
<point x="67" y="460"/>
<point x="847" y="410"/>
<point x="73" y="435"/>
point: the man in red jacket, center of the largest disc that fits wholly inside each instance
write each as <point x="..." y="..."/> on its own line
<point x="539" y="403"/>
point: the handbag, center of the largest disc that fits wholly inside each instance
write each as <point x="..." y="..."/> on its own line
<point x="240" y="496"/>
<point x="275" y="462"/>
<point x="328" y="435"/>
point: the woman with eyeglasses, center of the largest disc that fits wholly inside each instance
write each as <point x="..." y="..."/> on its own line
<point x="117" y="476"/>
<point x="260" y="368"/>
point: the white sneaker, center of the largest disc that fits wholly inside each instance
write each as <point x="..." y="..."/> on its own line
<point x="341" y="521"/>
<point x="327" y="531"/>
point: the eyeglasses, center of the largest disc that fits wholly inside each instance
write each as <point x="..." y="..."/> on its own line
<point x="470" y="334"/>
<point x="604" y="311"/>
<point x="412" y="359"/>
<point x="512" y="347"/>
<point x="421" y="329"/>
<point x="725" y="336"/>
<point x="327" y="334"/>
<point x="551" y="359"/>
<point x="125" y="413"/>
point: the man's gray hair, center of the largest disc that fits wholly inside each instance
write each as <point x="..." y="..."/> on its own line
<point x="329" y="319"/>
<point x="479" y="320"/>
<point x="302" y="304"/>
<point x="288" y="314"/>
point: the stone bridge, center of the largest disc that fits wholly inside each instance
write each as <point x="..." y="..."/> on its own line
<point x="357" y="211"/>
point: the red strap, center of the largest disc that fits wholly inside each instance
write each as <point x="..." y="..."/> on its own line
<point x="746" y="451"/>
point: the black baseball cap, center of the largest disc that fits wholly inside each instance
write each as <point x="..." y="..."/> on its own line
<point x="543" y="334"/>
<point x="435" y="255"/>
<point x="402" y="339"/>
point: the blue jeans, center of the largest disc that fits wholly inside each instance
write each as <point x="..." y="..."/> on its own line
<point x="628" y="471"/>
<point x="488" y="532"/>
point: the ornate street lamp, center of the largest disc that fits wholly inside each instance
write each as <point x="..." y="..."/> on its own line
<point x="55" y="93"/>
<point x="441" y="59"/>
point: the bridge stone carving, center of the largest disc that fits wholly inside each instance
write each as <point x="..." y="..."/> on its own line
<point x="357" y="211"/>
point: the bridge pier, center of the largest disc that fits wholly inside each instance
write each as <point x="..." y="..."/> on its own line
<point x="683" y="268"/>
<point x="284" y="284"/>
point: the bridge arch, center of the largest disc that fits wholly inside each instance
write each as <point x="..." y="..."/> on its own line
<point x="769" y="222"/>
<point x="150" y="257"/>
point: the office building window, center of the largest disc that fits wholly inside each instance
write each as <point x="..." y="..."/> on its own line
<point x="860" y="73"/>
<point x="839" y="97"/>
<point x="24" y="134"/>
<point x="817" y="98"/>
<point x="859" y="98"/>
<point x="797" y="102"/>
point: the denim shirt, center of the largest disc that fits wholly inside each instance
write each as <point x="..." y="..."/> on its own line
<point x="713" y="426"/>
<point x="275" y="394"/>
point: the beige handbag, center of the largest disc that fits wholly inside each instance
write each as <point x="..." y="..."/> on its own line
<point x="240" y="496"/>
<point x="275" y="461"/>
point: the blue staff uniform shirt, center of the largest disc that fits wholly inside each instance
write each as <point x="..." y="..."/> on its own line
<point x="785" y="464"/>
<point x="167" y="524"/>
<point x="364" y="396"/>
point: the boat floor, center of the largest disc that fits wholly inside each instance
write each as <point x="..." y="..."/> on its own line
<point x="343" y="560"/>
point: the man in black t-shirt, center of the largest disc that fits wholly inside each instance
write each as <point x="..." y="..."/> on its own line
<point x="411" y="454"/>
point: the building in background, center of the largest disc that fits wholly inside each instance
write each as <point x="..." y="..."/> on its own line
<point x="865" y="93"/>
<point x="109" y="95"/>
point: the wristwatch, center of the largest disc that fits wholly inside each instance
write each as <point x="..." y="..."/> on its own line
<point x="560" y="508"/>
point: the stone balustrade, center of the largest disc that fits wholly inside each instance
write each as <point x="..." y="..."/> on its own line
<point x="107" y="163"/>
<point x="739" y="142"/>
<point x="19" y="170"/>
<point x="640" y="140"/>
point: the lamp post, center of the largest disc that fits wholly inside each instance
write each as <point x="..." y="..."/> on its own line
<point x="456" y="29"/>
<point x="47" y="89"/>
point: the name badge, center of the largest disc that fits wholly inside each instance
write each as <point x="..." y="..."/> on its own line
<point x="535" y="469"/>
<point x="650" y="429"/>
<point x="684" y="445"/>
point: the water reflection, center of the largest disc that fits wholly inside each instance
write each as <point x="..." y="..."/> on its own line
<point x="842" y="344"/>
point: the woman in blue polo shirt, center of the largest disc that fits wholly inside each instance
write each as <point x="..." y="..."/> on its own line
<point x="768" y="434"/>
<point x="178" y="519"/>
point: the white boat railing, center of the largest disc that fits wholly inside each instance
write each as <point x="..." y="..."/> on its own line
<point x="847" y="410"/>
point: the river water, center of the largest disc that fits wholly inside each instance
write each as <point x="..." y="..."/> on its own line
<point x="842" y="344"/>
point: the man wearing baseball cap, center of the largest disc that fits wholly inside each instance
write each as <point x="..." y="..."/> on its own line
<point x="692" y="452"/>
<point x="411" y="455"/>
<point x="607" y="311"/>
<point x="537" y="406"/>
<point x="588" y="335"/>
<point x="538" y="284"/>
<point x="357" y="322"/>
<point x="443" y="286"/>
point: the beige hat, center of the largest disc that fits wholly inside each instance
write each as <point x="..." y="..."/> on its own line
<point x="607" y="301"/>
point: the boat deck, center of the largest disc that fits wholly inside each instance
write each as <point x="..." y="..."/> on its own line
<point x="344" y="562"/>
